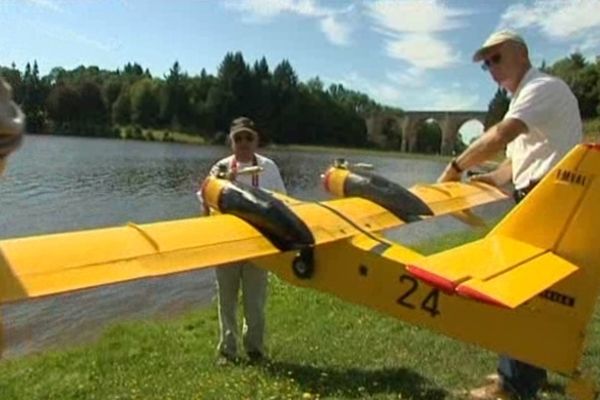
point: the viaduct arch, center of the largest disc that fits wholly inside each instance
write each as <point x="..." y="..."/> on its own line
<point x="408" y="123"/>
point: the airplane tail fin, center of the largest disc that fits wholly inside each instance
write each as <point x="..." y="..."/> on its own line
<point x="548" y="237"/>
<point x="542" y="260"/>
<point x="561" y="215"/>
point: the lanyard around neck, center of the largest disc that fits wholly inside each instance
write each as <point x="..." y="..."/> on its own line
<point x="234" y="167"/>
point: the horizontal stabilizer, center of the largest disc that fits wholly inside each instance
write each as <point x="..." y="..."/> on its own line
<point x="495" y="270"/>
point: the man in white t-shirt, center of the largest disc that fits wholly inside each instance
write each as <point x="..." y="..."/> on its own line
<point x="253" y="280"/>
<point x="542" y="124"/>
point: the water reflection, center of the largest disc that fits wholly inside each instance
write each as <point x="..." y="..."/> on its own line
<point x="57" y="184"/>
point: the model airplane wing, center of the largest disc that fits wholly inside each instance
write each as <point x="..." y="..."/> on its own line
<point x="49" y="264"/>
<point x="496" y="270"/>
<point x="452" y="197"/>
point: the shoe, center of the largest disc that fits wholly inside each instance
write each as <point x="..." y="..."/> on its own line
<point x="256" y="357"/>
<point x="224" y="360"/>
<point x="492" y="378"/>
<point x="491" y="391"/>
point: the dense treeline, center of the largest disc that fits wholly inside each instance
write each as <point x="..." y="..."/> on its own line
<point x="94" y="102"/>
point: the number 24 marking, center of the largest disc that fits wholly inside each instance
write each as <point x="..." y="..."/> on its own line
<point x="431" y="302"/>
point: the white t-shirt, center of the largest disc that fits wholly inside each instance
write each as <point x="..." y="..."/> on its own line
<point x="550" y="110"/>
<point x="269" y="178"/>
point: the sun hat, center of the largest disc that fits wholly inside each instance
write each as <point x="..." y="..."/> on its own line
<point x="495" y="39"/>
<point x="242" y="124"/>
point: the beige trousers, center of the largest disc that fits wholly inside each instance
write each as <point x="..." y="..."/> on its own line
<point x="253" y="282"/>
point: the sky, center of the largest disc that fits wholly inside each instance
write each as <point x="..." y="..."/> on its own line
<point x="413" y="54"/>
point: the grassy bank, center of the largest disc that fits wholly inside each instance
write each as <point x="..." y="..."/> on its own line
<point x="320" y="348"/>
<point x="591" y="130"/>
<point x="158" y="135"/>
<point x="360" y="151"/>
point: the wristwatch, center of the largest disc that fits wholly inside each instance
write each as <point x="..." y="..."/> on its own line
<point x="455" y="166"/>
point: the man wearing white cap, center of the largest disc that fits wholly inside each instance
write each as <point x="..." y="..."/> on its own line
<point x="244" y="143"/>
<point x="12" y="122"/>
<point x="541" y="125"/>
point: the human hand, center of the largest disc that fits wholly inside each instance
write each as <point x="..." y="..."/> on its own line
<point x="449" y="175"/>
<point x="488" y="178"/>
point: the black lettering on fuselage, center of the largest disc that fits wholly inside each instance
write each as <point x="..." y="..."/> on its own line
<point x="559" y="298"/>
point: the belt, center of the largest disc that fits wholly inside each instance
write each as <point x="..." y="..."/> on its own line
<point x="519" y="194"/>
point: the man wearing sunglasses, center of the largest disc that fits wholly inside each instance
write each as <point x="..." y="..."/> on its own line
<point x="244" y="139"/>
<point x="12" y="122"/>
<point x="541" y="125"/>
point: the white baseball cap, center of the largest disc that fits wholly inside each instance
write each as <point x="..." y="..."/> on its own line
<point x="495" y="39"/>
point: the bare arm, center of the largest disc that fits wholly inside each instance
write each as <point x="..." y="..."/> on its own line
<point x="490" y="143"/>
<point x="498" y="177"/>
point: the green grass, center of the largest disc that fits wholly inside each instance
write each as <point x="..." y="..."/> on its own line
<point x="320" y="347"/>
<point x="159" y="135"/>
<point x="361" y="151"/>
<point x="591" y="130"/>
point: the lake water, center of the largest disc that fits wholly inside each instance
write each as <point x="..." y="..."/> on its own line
<point x="57" y="184"/>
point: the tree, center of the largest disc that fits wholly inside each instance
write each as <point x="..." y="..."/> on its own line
<point x="111" y="89"/>
<point x="63" y="104"/>
<point x="429" y="137"/>
<point x="34" y="97"/>
<point x="121" y="109"/>
<point x="285" y="78"/>
<point x="13" y="76"/>
<point x="235" y="80"/>
<point x="92" y="108"/>
<point x="315" y="85"/>
<point x="174" y="102"/>
<point x="497" y="107"/>
<point x="144" y="102"/>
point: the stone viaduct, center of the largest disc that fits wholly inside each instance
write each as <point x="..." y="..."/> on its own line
<point x="405" y="126"/>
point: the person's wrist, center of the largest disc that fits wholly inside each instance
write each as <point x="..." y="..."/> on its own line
<point x="454" y="165"/>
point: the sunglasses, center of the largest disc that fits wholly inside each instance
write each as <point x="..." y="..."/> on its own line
<point x="493" y="60"/>
<point x="245" y="138"/>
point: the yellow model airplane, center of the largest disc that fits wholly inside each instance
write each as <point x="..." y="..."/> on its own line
<point x="535" y="276"/>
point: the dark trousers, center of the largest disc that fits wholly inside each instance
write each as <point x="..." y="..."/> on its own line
<point x="518" y="377"/>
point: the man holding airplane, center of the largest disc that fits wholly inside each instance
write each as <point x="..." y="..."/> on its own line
<point x="542" y="124"/>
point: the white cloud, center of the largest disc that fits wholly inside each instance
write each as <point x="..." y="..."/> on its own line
<point x="272" y="8"/>
<point x="384" y="93"/>
<point x="453" y="100"/>
<point x="412" y="30"/>
<point x="421" y="97"/>
<point x="411" y="77"/>
<point x="422" y="51"/>
<point x="564" y="20"/>
<point x="68" y="35"/>
<point x="590" y="45"/>
<point x="424" y="16"/>
<point x="336" y="30"/>
<point x="48" y="4"/>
